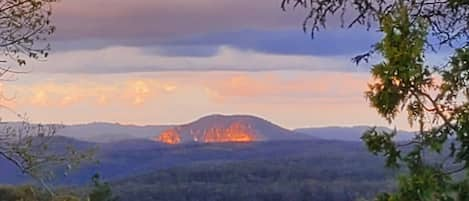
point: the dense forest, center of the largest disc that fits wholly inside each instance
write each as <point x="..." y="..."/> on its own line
<point x="285" y="170"/>
<point x="330" y="179"/>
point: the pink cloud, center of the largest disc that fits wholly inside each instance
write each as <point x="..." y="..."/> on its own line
<point x="315" y="86"/>
<point x="293" y="99"/>
<point x="219" y="87"/>
<point x="94" y="93"/>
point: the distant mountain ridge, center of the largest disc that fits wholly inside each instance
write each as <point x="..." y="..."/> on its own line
<point x="109" y="132"/>
<point x="227" y="128"/>
<point x="100" y="132"/>
<point x="349" y="133"/>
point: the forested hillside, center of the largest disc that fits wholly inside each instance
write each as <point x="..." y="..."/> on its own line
<point x="278" y="170"/>
<point x="328" y="179"/>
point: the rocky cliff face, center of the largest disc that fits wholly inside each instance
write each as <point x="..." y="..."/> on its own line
<point x="170" y="136"/>
<point x="224" y="129"/>
<point x="235" y="132"/>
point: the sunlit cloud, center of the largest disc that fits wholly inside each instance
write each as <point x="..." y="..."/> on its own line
<point x="169" y="88"/>
<point x="317" y="86"/>
<point x="219" y="87"/>
<point x="102" y="100"/>
<point x="60" y="95"/>
<point x="292" y="99"/>
<point x="39" y="98"/>
<point x="138" y="91"/>
<point x="7" y="98"/>
<point x="53" y="94"/>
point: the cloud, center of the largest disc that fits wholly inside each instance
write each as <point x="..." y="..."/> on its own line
<point x="150" y="20"/>
<point x="285" y="42"/>
<point x="40" y="98"/>
<point x="217" y="87"/>
<point x="139" y="91"/>
<point x="7" y="97"/>
<point x="322" y="86"/>
<point x="189" y="29"/>
<point x="258" y="25"/>
<point x="293" y="99"/>
<point x="289" y="42"/>
<point x="134" y="59"/>
<point x="130" y="92"/>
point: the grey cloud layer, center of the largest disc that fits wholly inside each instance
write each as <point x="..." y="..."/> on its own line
<point x="92" y="35"/>
<point x="158" y="20"/>
<point x="134" y="59"/>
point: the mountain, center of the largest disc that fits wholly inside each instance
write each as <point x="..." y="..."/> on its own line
<point x="227" y="128"/>
<point x="109" y="132"/>
<point x="349" y="133"/>
<point x="214" y="128"/>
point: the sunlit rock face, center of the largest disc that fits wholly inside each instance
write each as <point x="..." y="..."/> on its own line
<point x="170" y="136"/>
<point x="236" y="132"/>
<point x="227" y="129"/>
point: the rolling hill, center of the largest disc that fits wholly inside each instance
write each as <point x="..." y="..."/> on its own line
<point x="227" y="128"/>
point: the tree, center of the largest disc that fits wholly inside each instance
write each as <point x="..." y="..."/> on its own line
<point x="24" y="30"/>
<point x="435" y="98"/>
<point x="101" y="191"/>
<point x="36" y="151"/>
<point x="30" y="193"/>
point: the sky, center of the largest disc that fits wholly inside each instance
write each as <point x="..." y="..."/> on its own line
<point x="169" y="62"/>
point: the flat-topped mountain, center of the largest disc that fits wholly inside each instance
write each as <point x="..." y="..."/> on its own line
<point x="227" y="128"/>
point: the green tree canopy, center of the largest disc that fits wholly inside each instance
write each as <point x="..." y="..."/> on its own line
<point x="435" y="98"/>
<point x="101" y="190"/>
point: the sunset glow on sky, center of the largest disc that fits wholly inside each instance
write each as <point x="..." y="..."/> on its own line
<point x="168" y="62"/>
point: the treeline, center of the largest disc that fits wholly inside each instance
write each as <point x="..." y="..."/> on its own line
<point x="299" y="179"/>
<point x="97" y="191"/>
<point x="316" y="171"/>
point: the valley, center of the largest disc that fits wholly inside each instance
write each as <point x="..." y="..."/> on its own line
<point x="221" y="157"/>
